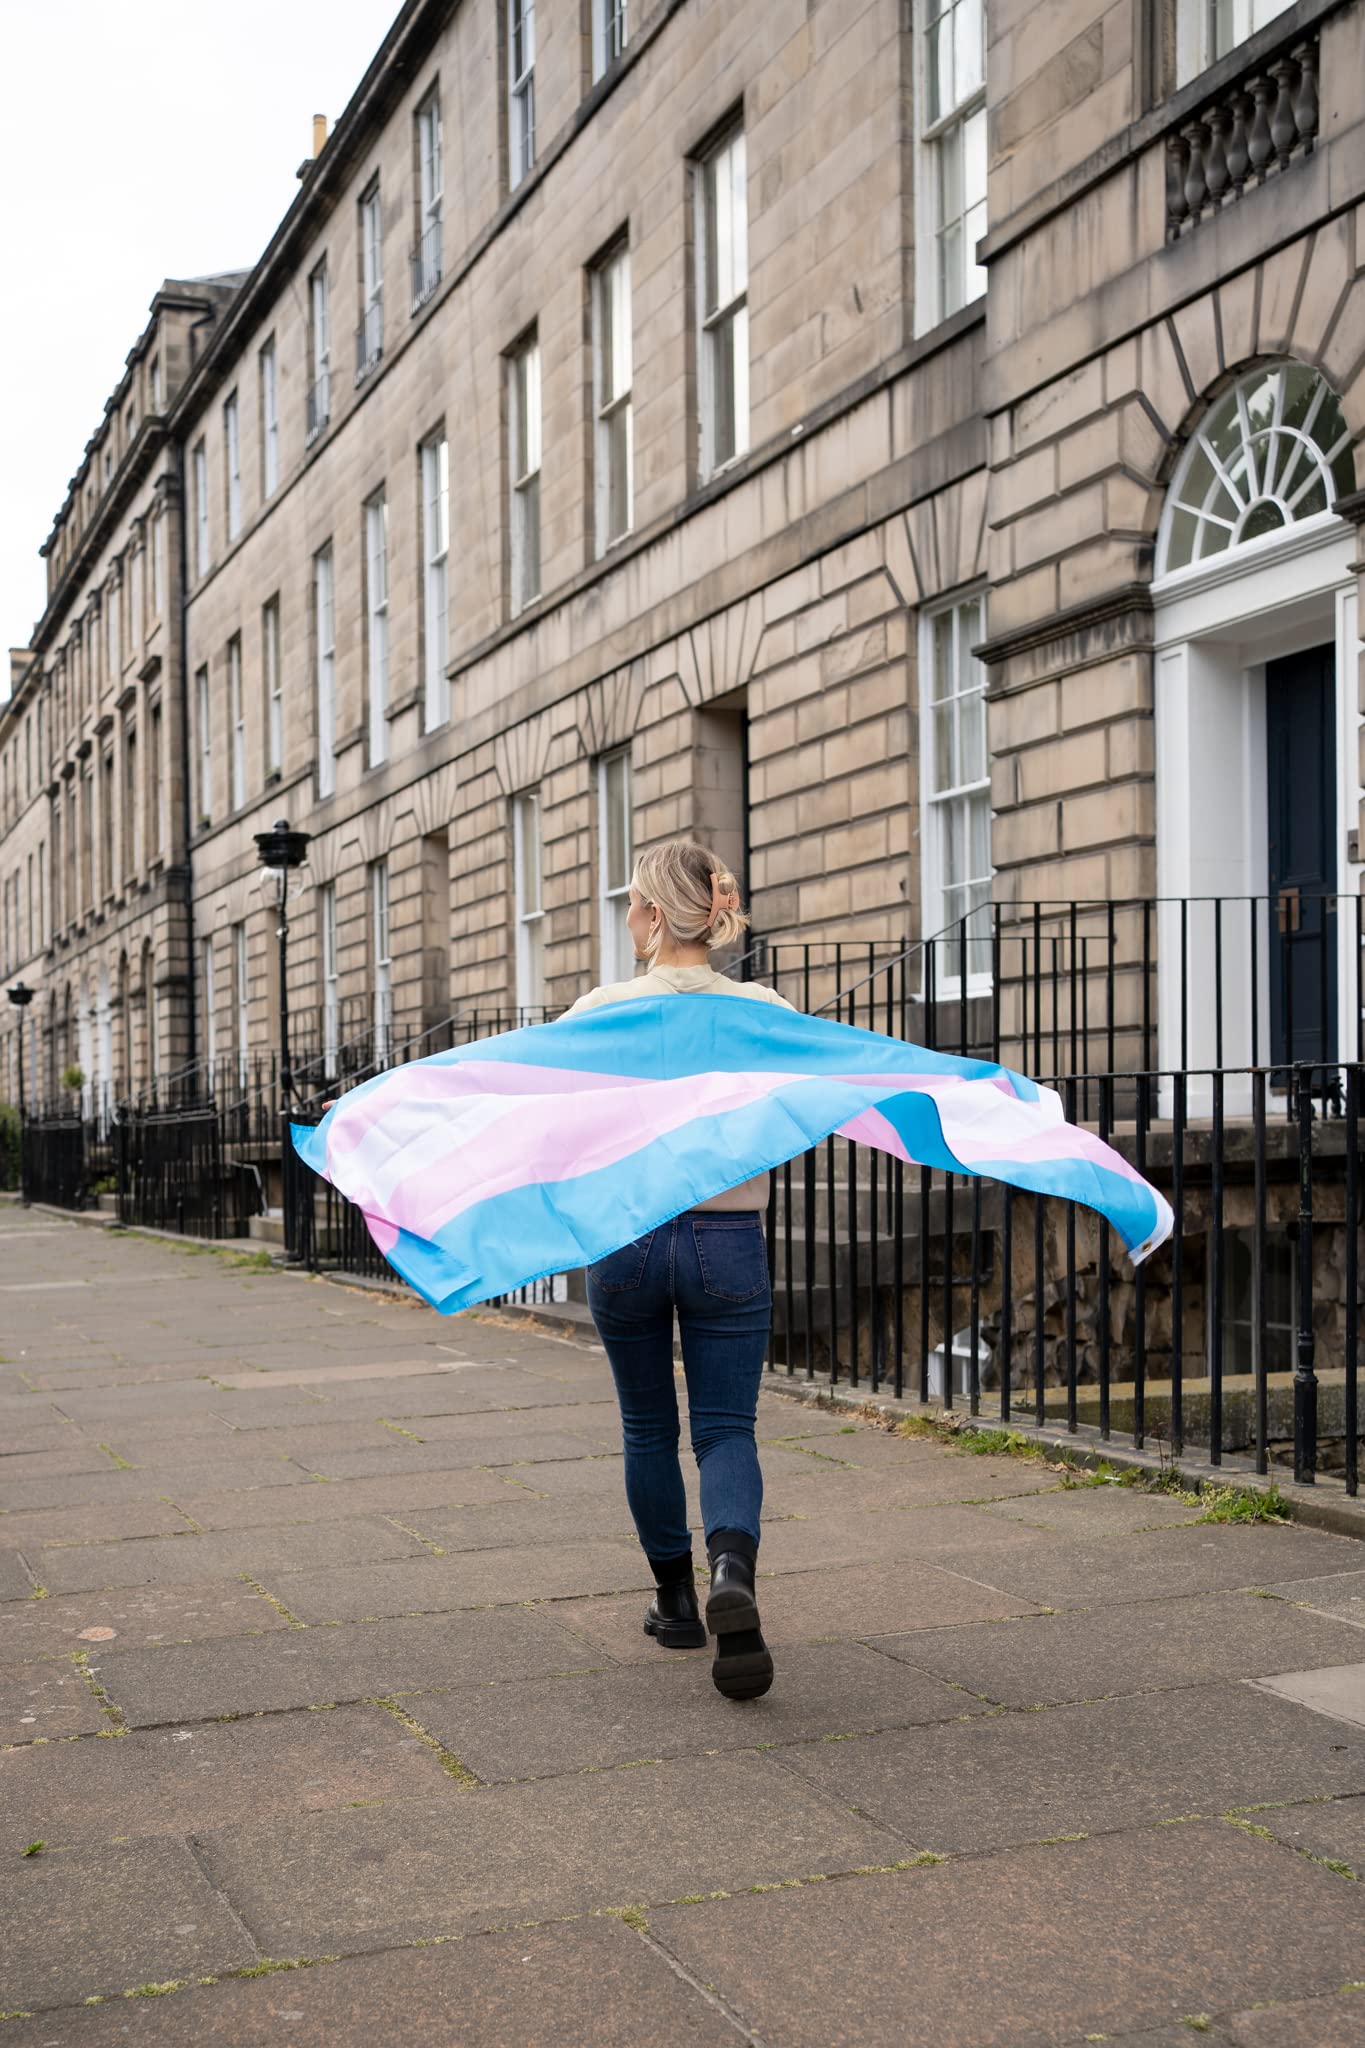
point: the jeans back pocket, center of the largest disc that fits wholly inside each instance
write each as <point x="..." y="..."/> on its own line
<point x="732" y="1255"/>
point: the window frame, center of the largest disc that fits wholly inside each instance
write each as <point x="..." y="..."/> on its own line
<point x="935" y="803"/>
<point x="272" y="684"/>
<point x="159" y="565"/>
<point x="612" y="266"/>
<point x="200" y="463"/>
<point x="521" y="92"/>
<point x="269" y="372"/>
<point x="524" y="452"/>
<point x="434" y="504"/>
<point x="610" y="35"/>
<point x="370" y="254"/>
<point x="528" y="918"/>
<point x="203" y="718"/>
<point x="324" y="668"/>
<point x="329" y="970"/>
<point x="616" y="947"/>
<point x="232" y="462"/>
<point x="236" y="725"/>
<point x="427" y="264"/>
<point x="930" y="310"/>
<point x="381" y="959"/>
<point x="730" y="314"/>
<point x="376" y="521"/>
<point x="319" y="407"/>
<point x="241" y="994"/>
<point x="208" y="998"/>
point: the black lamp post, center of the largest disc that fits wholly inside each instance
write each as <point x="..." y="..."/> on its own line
<point x="21" y="997"/>
<point x="279" y="850"/>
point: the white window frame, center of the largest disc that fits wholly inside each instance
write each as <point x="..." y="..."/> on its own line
<point x="381" y="939"/>
<point x="270" y="419"/>
<point x="435" y="462"/>
<point x="612" y="375"/>
<point x="159" y="564"/>
<point x="377" y="637"/>
<point x="201" y="509"/>
<point x="618" y="949"/>
<point x="324" y="617"/>
<point x="232" y="455"/>
<point x="155" y="779"/>
<point x="937" y="806"/>
<point x="610" y="34"/>
<point x="331" y="1008"/>
<point x="241" y="994"/>
<point x="320" y="347"/>
<point x="113" y="652"/>
<point x="154" y="382"/>
<point x="528" y="867"/>
<point x="207" y="999"/>
<point x="203" y="711"/>
<point x="523" y="468"/>
<point x="236" y="722"/>
<point x="371" y="345"/>
<point x="720" y="188"/>
<point x="936" y="136"/>
<point x="274" y="688"/>
<point x="1197" y="37"/>
<point x="430" y="200"/>
<point x="135" y="600"/>
<point x="521" y="90"/>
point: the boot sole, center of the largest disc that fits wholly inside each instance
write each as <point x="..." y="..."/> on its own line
<point x="742" y="1674"/>
<point x="677" y="1635"/>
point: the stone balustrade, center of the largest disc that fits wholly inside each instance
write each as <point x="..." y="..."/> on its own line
<point x="1251" y="132"/>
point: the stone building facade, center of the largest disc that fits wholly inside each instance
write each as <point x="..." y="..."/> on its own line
<point x="773" y="424"/>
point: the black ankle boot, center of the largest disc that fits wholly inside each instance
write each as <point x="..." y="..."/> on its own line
<point x="673" y="1618"/>
<point x="743" y="1666"/>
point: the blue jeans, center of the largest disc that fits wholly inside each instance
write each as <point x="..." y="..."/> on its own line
<point x="713" y="1266"/>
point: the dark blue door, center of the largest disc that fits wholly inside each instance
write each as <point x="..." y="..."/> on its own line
<point x="1300" y="716"/>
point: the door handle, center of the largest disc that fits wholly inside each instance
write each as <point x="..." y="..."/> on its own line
<point x="1289" y="907"/>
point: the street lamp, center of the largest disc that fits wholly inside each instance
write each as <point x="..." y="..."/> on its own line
<point x="21" y="997"/>
<point x="279" y="850"/>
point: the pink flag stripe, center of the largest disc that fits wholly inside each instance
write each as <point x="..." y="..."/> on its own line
<point x="1057" y="1142"/>
<point x="435" y="1158"/>
<point x="421" y="1082"/>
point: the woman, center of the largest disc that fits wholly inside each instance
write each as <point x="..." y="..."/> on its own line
<point x="711" y="1264"/>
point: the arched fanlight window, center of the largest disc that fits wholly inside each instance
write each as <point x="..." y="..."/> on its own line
<point x="1271" y="451"/>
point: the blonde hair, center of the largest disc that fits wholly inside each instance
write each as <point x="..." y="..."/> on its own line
<point x="677" y="876"/>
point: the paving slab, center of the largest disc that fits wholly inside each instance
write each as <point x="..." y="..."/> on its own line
<point x="869" y="1535"/>
<point x="544" y="1727"/>
<point x="33" y="1531"/>
<point x="93" y="1489"/>
<point x="1338" y="1690"/>
<point x="597" y="1422"/>
<point x="529" y="1447"/>
<point x="399" y="1494"/>
<point x="1332" y="2021"/>
<point x="1341" y="1594"/>
<point x="919" y="1478"/>
<point x="816" y="1606"/>
<point x="1170" y="1562"/>
<point x="1046" y="1659"/>
<point x="63" y="1943"/>
<point x="591" y="1984"/>
<point x="1079" y="1769"/>
<point x="510" y="1853"/>
<point x="510" y="1522"/>
<point x="15" y="1583"/>
<point x="1096" y="1510"/>
<point x="193" y="1779"/>
<point x="133" y="1617"/>
<point x="176" y="1560"/>
<point x="46" y="1702"/>
<point x="37" y="1466"/>
<point x="313" y="1667"/>
<point x="468" y="1578"/>
<point x="1333" y="1829"/>
<point x="984" y="1953"/>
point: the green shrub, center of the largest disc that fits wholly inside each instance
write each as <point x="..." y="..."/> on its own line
<point x="9" y="1145"/>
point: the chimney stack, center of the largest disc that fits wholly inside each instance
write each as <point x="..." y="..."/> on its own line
<point x="319" y="134"/>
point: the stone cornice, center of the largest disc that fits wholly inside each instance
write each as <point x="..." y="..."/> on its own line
<point x="1351" y="507"/>
<point x="1128" y="601"/>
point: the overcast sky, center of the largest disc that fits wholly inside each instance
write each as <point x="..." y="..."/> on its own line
<point x="140" y="139"/>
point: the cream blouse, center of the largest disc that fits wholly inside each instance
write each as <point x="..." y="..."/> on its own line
<point x="699" y="980"/>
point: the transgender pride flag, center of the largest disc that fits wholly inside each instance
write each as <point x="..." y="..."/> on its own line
<point x="482" y="1169"/>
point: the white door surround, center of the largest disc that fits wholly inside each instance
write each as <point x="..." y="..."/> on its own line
<point x="1217" y="625"/>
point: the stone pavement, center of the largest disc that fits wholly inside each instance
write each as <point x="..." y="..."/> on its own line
<point x="322" y="1683"/>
